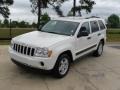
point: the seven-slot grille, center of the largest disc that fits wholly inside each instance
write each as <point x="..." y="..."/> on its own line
<point x="26" y="50"/>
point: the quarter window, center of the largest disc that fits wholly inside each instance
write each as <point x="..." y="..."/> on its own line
<point x="102" y="26"/>
<point x="94" y="26"/>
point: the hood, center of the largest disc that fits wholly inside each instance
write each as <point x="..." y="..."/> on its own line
<point x="40" y="39"/>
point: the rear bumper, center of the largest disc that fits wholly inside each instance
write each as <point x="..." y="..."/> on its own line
<point x="35" y="62"/>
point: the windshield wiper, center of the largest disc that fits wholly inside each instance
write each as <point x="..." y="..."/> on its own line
<point x="58" y="33"/>
<point x="55" y="33"/>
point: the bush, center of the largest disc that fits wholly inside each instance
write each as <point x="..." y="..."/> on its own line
<point x="113" y="21"/>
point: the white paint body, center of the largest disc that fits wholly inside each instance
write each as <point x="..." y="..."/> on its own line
<point x="57" y="43"/>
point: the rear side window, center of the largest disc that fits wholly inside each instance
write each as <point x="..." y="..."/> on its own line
<point x="102" y="26"/>
<point x="94" y="26"/>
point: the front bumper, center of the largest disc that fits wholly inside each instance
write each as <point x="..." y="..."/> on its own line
<point x="35" y="62"/>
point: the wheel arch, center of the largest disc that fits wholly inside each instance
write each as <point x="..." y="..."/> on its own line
<point x="103" y="41"/>
<point x="69" y="53"/>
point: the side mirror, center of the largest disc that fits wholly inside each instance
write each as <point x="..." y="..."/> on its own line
<point x="83" y="32"/>
<point x="40" y="27"/>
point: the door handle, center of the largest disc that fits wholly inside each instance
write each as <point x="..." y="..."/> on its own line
<point x="89" y="38"/>
<point x="99" y="34"/>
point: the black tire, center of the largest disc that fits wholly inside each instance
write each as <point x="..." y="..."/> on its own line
<point x="99" y="50"/>
<point x="56" y="72"/>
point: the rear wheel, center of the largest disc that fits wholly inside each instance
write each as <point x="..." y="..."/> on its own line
<point x="62" y="66"/>
<point x="99" y="50"/>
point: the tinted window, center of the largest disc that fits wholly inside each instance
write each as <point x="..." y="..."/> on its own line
<point x="94" y="26"/>
<point x="102" y="26"/>
<point x="86" y="25"/>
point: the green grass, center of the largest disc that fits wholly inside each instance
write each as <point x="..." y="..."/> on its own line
<point x="113" y="35"/>
<point x="4" y="42"/>
<point x="5" y="33"/>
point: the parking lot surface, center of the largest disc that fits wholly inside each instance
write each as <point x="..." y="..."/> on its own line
<point x="88" y="73"/>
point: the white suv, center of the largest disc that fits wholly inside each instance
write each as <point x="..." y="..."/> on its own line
<point x="57" y="44"/>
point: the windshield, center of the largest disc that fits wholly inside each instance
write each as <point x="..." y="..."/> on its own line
<point x="60" y="27"/>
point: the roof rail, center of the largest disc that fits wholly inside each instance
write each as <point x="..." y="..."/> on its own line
<point x="82" y="17"/>
<point x="76" y="18"/>
<point x="92" y="17"/>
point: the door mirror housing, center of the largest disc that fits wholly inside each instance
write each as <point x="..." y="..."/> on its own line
<point x="40" y="27"/>
<point x="83" y="32"/>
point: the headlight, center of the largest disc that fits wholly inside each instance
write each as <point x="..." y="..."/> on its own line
<point x="43" y="52"/>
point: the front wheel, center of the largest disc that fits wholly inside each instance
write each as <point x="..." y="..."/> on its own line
<point x="99" y="50"/>
<point x="62" y="66"/>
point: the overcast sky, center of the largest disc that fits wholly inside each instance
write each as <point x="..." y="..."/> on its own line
<point x="21" y="9"/>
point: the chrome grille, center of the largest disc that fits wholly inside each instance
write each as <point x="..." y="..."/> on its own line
<point x="26" y="50"/>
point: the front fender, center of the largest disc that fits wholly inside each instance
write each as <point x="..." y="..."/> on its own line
<point x="62" y="49"/>
<point x="59" y="49"/>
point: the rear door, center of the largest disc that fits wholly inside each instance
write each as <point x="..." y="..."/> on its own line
<point x="102" y="32"/>
<point x="95" y="32"/>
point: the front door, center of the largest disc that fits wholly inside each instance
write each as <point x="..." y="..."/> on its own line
<point x="83" y="42"/>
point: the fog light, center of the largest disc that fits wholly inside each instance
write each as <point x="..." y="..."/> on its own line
<point x="42" y="63"/>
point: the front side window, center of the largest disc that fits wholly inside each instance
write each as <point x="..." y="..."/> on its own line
<point x="102" y="26"/>
<point x="60" y="27"/>
<point x="94" y="26"/>
<point x="86" y="25"/>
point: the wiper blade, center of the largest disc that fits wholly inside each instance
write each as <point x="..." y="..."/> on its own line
<point x="55" y="33"/>
<point x="49" y="32"/>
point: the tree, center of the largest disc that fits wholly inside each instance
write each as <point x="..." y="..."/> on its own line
<point x="22" y="24"/>
<point x="34" y="25"/>
<point x="4" y="10"/>
<point x="38" y="4"/>
<point x="0" y="23"/>
<point x="44" y="4"/>
<point x="113" y="21"/>
<point x="86" y="5"/>
<point x="44" y="19"/>
<point x="14" y="24"/>
<point x="6" y="23"/>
